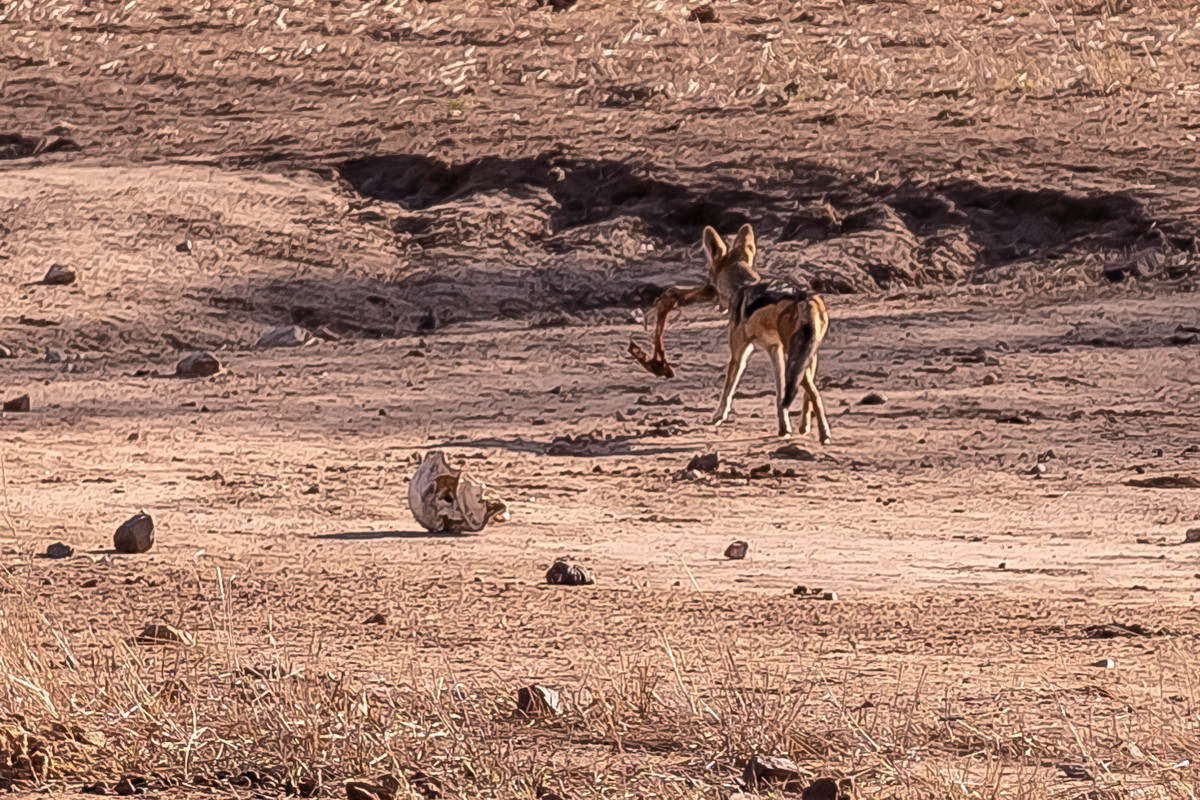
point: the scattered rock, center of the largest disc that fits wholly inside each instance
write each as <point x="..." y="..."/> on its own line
<point x="186" y="246"/>
<point x="136" y="534"/>
<point x="327" y="333"/>
<point x="1104" y="663"/>
<point x="161" y="633"/>
<point x="285" y="336"/>
<point x="55" y="356"/>
<point x="774" y="772"/>
<point x="538" y="701"/>
<point x="198" y="365"/>
<point x="59" y="550"/>
<point x="1076" y="771"/>
<point x="1165" y="482"/>
<point x="5" y="352"/>
<point x="565" y="573"/>
<point x="873" y="399"/>
<point x="376" y="619"/>
<point x="446" y="500"/>
<point x="737" y="550"/>
<point x="810" y="593"/>
<point x="130" y="785"/>
<point x="428" y="322"/>
<point x="1192" y="536"/>
<point x="385" y="787"/>
<point x="708" y="463"/>
<point x="59" y="275"/>
<point x="795" y="452"/>
<point x="704" y="14"/>
<point x="17" y="404"/>
<point x="990" y="379"/>
<point x="1014" y="419"/>
<point x="829" y="789"/>
<point x="309" y="787"/>
<point x="99" y="787"/>
<point x="1037" y="470"/>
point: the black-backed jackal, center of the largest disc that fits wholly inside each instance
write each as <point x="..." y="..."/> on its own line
<point x="775" y="315"/>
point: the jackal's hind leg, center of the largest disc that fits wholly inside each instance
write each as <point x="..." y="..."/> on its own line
<point x="806" y="407"/>
<point x="779" y="361"/>
<point x="810" y="389"/>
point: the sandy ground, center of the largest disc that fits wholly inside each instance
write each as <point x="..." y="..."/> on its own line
<point x="325" y="165"/>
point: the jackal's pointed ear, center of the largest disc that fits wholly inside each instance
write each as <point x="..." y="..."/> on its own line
<point x="714" y="245"/>
<point x="745" y="240"/>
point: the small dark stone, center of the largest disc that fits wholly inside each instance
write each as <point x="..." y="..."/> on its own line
<point x="59" y="275"/>
<point x="703" y="14"/>
<point x="17" y="404"/>
<point x="136" y="535"/>
<point x="375" y="619"/>
<point x="428" y="322"/>
<point x="538" y="701"/>
<point x="565" y="573"/>
<point x="59" y="550"/>
<point x="285" y="336"/>
<point x="708" y="463"/>
<point x="198" y="365"/>
<point x="185" y="246"/>
<point x="873" y="399"/>
<point x="737" y="550"/>
<point x="829" y="789"/>
<point x="773" y="771"/>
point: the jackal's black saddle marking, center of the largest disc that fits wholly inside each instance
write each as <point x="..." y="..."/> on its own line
<point x="763" y="293"/>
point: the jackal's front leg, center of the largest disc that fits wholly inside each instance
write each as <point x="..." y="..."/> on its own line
<point x="733" y="374"/>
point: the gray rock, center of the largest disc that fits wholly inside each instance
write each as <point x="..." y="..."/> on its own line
<point x="198" y="365"/>
<point x="55" y="356"/>
<point x="285" y="336"/>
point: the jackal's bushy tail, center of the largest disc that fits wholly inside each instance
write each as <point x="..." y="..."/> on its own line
<point x="800" y="350"/>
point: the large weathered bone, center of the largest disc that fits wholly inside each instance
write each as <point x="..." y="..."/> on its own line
<point x="447" y="500"/>
<point x="671" y="299"/>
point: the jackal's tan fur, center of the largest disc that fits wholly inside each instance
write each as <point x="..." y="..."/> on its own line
<point x="776" y="316"/>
